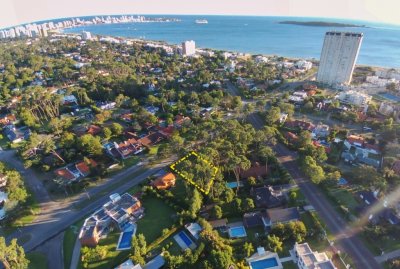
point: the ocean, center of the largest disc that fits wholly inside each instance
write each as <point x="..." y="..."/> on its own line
<point x="261" y="35"/>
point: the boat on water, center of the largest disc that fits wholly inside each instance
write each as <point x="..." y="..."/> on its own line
<point x="203" y="21"/>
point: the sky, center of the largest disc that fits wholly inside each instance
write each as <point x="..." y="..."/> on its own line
<point x="15" y="12"/>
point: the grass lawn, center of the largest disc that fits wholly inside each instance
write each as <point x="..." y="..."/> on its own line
<point x="386" y="244"/>
<point x="131" y="161"/>
<point x="158" y="216"/>
<point x="37" y="260"/>
<point x="300" y="199"/>
<point x="289" y="265"/>
<point x="70" y="237"/>
<point x="345" y="198"/>
<point x="4" y="142"/>
<point x="114" y="258"/>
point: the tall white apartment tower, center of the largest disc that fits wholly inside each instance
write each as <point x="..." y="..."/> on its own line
<point x="188" y="48"/>
<point x="338" y="57"/>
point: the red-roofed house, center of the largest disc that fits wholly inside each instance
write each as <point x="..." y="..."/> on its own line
<point x="8" y="119"/>
<point x="354" y="140"/>
<point x="128" y="148"/>
<point x="255" y="171"/>
<point x="65" y="174"/>
<point x="84" y="168"/>
<point x="291" y="137"/>
<point x="303" y="125"/>
<point x="181" y="120"/>
<point x="152" y="139"/>
<point x="93" y="130"/>
<point x="164" y="182"/>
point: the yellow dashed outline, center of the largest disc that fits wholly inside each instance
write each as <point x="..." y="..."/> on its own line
<point x="205" y="191"/>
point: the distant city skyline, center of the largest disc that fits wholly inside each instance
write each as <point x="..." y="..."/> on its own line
<point x="16" y="12"/>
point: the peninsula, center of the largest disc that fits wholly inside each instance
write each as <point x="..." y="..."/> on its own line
<point x="321" y="24"/>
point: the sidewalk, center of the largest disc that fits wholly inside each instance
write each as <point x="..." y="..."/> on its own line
<point x="76" y="254"/>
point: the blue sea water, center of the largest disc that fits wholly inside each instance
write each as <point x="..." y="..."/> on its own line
<point x="264" y="35"/>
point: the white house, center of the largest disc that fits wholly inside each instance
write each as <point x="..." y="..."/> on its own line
<point x="354" y="98"/>
<point x="305" y="258"/>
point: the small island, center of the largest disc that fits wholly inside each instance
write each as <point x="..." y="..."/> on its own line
<point x="321" y="24"/>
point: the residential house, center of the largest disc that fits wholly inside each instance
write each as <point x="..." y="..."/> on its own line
<point x="218" y="223"/>
<point x="255" y="219"/>
<point x="128" y="264"/>
<point x="164" y="181"/>
<point x="7" y="119"/>
<point x="3" y="180"/>
<point x="268" y="197"/>
<point x="306" y="258"/>
<point x="181" y="121"/>
<point x="69" y="100"/>
<point x="355" y="98"/>
<point x="155" y="263"/>
<point x="121" y="212"/>
<point x="76" y="171"/>
<point x="152" y="139"/>
<point x="357" y="149"/>
<point x="106" y="105"/>
<point x="125" y="149"/>
<point x="299" y="124"/>
<point x="16" y="135"/>
<point x="298" y="97"/>
<point x="285" y="215"/>
<point x="321" y="130"/>
<point x="256" y="171"/>
<point x="258" y="258"/>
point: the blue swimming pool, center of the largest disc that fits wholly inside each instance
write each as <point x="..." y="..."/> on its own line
<point x="262" y="264"/>
<point x="185" y="239"/>
<point x="237" y="232"/>
<point x="125" y="240"/>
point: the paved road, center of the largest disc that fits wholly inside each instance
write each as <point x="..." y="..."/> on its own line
<point x="346" y="238"/>
<point x="56" y="216"/>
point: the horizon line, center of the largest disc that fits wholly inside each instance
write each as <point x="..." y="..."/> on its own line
<point x="216" y="15"/>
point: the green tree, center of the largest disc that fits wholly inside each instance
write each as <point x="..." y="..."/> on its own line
<point x="274" y="243"/>
<point x="107" y="133"/>
<point x="139" y="247"/>
<point x="90" y="145"/>
<point x="195" y="203"/>
<point x="12" y="256"/>
<point x="248" y="204"/>
<point x="248" y="249"/>
<point x="273" y="115"/>
<point x="117" y="129"/>
<point x="217" y="212"/>
<point x="313" y="170"/>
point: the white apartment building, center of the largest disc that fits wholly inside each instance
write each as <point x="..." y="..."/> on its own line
<point x="86" y="35"/>
<point x="188" y="48"/>
<point x="338" y="57"/>
<point x="306" y="65"/>
<point x="308" y="259"/>
<point x="354" y="98"/>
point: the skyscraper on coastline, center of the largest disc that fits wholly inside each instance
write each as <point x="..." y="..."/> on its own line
<point x="188" y="48"/>
<point x="338" y="57"/>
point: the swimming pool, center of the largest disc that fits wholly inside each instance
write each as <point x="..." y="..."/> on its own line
<point x="125" y="240"/>
<point x="185" y="238"/>
<point x="262" y="264"/>
<point x="234" y="184"/>
<point x="237" y="232"/>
